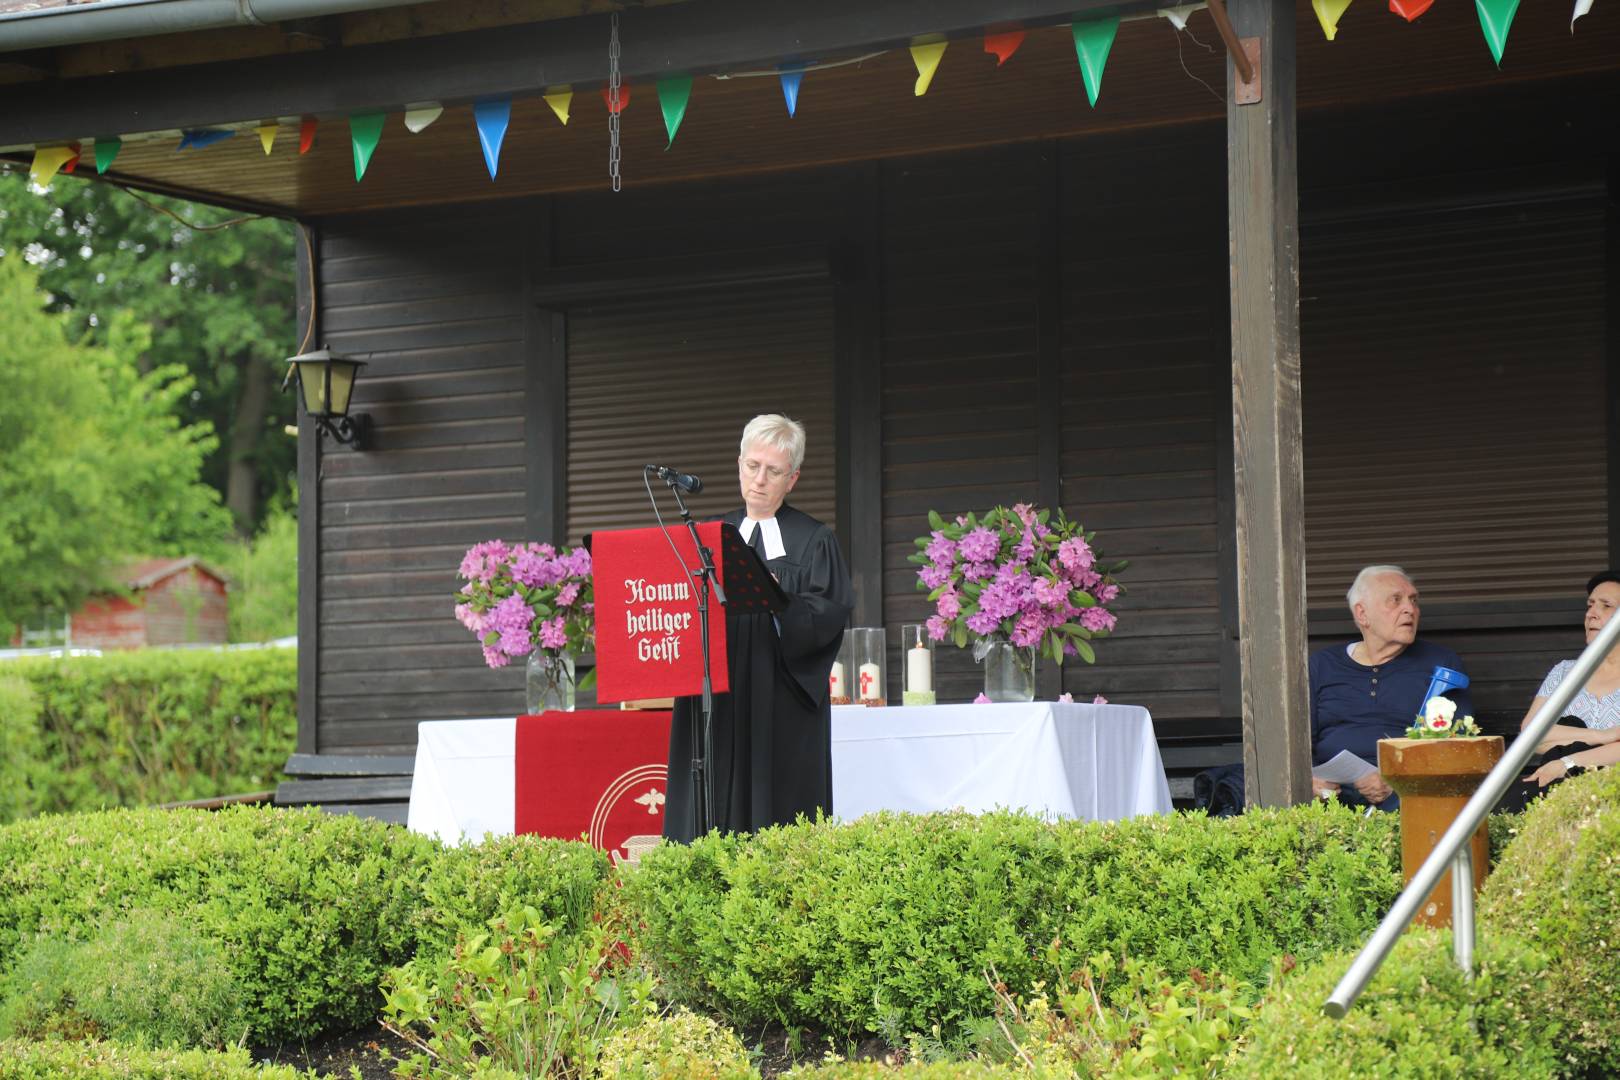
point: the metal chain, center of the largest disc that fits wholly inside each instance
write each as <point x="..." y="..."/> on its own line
<point x="613" y="102"/>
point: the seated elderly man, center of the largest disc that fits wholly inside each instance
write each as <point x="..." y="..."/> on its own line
<point x="1372" y="689"/>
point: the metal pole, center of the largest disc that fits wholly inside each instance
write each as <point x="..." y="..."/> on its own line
<point x="1462" y="909"/>
<point x="1490" y="790"/>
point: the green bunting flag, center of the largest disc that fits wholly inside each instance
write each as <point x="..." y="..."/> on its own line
<point x="1495" y="17"/>
<point x="364" y="131"/>
<point x="106" y="150"/>
<point x="673" y="94"/>
<point x="1092" y="40"/>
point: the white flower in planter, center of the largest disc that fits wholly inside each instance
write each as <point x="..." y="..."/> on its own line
<point x="1438" y="712"/>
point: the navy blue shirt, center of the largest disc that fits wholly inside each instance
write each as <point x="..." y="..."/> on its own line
<point x="1354" y="705"/>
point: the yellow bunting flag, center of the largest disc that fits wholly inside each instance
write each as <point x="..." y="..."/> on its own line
<point x="420" y="115"/>
<point x="48" y="161"/>
<point x="267" y="135"/>
<point x="1328" y="13"/>
<point x="926" y="55"/>
<point x="559" y="100"/>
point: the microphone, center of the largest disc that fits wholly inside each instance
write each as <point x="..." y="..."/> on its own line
<point x="685" y="481"/>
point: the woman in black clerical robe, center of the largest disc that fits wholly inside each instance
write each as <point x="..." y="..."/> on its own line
<point x="771" y="740"/>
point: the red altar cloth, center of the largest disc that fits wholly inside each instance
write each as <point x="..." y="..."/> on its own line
<point x="597" y="774"/>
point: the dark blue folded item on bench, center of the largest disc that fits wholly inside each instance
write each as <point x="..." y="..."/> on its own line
<point x="1219" y="790"/>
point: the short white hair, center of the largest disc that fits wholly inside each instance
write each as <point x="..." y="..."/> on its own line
<point x="778" y="431"/>
<point x="1359" y="587"/>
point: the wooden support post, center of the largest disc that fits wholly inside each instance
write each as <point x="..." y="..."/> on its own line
<point x="309" y="502"/>
<point x="1263" y="206"/>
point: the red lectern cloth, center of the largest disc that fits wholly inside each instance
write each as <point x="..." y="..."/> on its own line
<point x="647" y="626"/>
<point x="596" y="773"/>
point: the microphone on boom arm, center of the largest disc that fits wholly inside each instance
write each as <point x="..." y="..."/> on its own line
<point x="685" y="481"/>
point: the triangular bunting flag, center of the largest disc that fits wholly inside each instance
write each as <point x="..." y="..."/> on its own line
<point x="1178" y="15"/>
<point x="559" y="99"/>
<point x="196" y="140"/>
<point x="48" y="161"/>
<point x="792" y="76"/>
<point x="1581" y="8"/>
<point x="1410" y="9"/>
<point x="306" y="134"/>
<point x="926" y="56"/>
<point x="420" y="115"/>
<point x="1092" y="40"/>
<point x="1328" y="13"/>
<point x="1003" y="43"/>
<point x="492" y="118"/>
<point x="673" y="94"/>
<point x="365" y="129"/>
<point x="624" y="98"/>
<point x="106" y="151"/>
<point x="72" y="163"/>
<point x="1495" y="19"/>
<point x="267" y="135"/>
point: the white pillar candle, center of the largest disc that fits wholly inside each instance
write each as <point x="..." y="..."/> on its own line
<point x="919" y="669"/>
<point x="871" y="685"/>
<point x="835" y="681"/>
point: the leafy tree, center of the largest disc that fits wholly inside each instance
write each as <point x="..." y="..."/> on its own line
<point x="214" y="289"/>
<point x="94" y="463"/>
<point x="264" y="579"/>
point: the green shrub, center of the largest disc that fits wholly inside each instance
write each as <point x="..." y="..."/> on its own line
<point x="56" y="1060"/>
<point x="518" y="1001"/>
<point x="21" y="766"/>
<point x="944" y="1070"/>
<point x="681" y="1045"/>
<point x="1418" y="1018"/>
<point x="895" y="919"/>
<point x="147" y="727"/>
<point x="464" y="887"/>
<point x="148" y="979"/>
<point x="311" y="908"/>
<point x="1558" y="888"/>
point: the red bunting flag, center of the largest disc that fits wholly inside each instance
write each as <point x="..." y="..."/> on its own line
<point x="624" y="98"/>
<point x="1002" y="43"/>
<point x="1410" y="9"/>
<point x="72" y="162"/>
<point x="306" y="134"/>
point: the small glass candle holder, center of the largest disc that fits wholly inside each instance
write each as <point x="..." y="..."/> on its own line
<point x="869" y="659"/>
<point x="842" y="676"/>
<point x="917" y="665"/>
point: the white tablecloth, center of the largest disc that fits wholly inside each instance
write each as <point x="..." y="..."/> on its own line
<point x="1097" y="762"/>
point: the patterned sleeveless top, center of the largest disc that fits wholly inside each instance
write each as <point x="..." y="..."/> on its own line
<point x="1598" y="712"/>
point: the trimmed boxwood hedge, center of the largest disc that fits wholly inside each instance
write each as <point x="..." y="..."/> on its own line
<point x="1417" y="1018"/>
<point x="55" y="1060"/>
<point x="890" y="922"/>
<point x="1558" y="888"/>
<point x="152" y="726"/>
<point x="311" y="908"/>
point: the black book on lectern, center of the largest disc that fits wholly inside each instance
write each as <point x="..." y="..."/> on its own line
<point x="750" y="588"/>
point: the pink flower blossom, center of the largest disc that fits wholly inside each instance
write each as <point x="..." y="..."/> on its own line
<point x="1028" y="630"/>
<point x="941" y="551"/>
<point x="1105" y="592"/>
<point x="482" y="561"/>
<point x="1075" y="554"/>
<point x="1049" y="593"/>
<point x="982" y="699"/>
<point x="1025" y="512"/>
<point x="933" y="577"/>
<point x="1099" y="700"/>
<point x="982" y="623"/>
<point x="1066" y="698"/>
<point x="1097" y="619"/>
<point x="495" y="658"/>
<point x="553" y="635"/>
<point x="949" y="604"/>
<point x="978" y="571"/>
<point x="937" y="627"/>
<point x="568" y="594"/>
<point x="980" y="545"/>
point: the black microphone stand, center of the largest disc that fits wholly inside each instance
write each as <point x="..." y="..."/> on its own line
<point x="702" y="793"/>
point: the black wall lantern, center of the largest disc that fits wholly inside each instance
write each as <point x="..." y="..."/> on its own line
<point x="326" y="379"/>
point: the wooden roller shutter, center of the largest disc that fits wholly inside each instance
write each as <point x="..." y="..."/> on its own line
<point x="670" y="379"/>
<point x="1454" y="384"/>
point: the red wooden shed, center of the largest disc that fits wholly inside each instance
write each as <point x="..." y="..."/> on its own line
<point x="172" y="601"/>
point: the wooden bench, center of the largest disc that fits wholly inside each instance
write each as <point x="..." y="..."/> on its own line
<point x="376" y="786"/>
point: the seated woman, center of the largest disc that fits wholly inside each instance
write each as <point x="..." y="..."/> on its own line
<point x="1570" y="747"/>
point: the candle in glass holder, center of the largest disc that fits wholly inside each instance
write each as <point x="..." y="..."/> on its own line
<point x="835" y="684"/>
<point x="871" y="682"/>
<point x="918" y="688"/>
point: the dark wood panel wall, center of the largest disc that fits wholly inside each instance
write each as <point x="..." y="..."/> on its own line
<point x="1042" y="321"/>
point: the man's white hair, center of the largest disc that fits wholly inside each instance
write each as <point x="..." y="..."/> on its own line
<point x="1363" y="582"/>
<point x="775" y="430"/>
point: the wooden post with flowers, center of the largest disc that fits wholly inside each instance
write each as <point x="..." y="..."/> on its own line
<point x="1435" y="770"/>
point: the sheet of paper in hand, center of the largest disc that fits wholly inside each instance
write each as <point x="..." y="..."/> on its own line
<point x="1343" y="768"/>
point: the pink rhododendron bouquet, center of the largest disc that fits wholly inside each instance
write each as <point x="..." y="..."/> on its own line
<point x="1015" y="576"/>
<point x="523" y="597"/>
